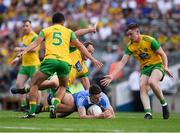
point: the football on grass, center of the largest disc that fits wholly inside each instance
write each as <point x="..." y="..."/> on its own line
<point x="94" y="110"/>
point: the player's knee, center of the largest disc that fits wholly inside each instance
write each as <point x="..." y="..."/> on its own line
<point x="143" y="89"/>
<point x="142" y="86"/>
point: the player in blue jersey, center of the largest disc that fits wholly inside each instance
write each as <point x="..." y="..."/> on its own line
<point x="82" y="100"/>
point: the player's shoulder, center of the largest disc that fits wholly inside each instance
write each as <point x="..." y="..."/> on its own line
<point x="103" y="94"/>
<point x="129" y="43"/>
<point x="83" y="93"/>
<point x="147" y="38"/>
<point x="51" y="27"/>
<point x="33" y="33"/>
<point x="65" y="28"/>
<point x="104" y="97"/>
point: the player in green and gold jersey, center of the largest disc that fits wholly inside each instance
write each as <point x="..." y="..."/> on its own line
<point x="78" y="70"/>
<point x="30" y="60"/>
<point x="57" y="59"/>
<point x="154" y="65"/>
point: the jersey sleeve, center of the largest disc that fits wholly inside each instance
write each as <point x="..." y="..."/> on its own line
<point x="41" y="33"/>
<point x="105" y="101"/>
<point x="73" y="36"/>
<point x="127" y="51"/>
<point x="80" y="102"/>
<point x="155" y="45"/>
<point x="34" y="38"/>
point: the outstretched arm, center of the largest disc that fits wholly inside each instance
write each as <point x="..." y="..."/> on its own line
<point x="108" y="78"/>
<point x="32" y="46"/>
<point x="82" y="32"/>
<point x="85" y="82"/>
<point x="85" y="52"/>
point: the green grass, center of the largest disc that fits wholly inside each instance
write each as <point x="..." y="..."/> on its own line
<point x="124" y="122"/>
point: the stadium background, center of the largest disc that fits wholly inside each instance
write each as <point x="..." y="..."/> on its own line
<point x="160" y="19"/>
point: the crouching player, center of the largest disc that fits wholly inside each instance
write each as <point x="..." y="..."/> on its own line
<point x="82" y="100"/>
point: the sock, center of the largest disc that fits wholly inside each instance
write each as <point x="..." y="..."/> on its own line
<point x="32" y="107"/>
<point x="163" y="102"/>
<point x="45" y="109"/>
<point x="147" y="111"/>
<point x="23" y="103"/>
<point x="55" y="102"/>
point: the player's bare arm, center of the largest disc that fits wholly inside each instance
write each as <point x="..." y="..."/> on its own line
<point x="108" y="78"/>
<point x="82" y="113"/>
<point x="82" y="32"/>
<point x="161" y="52"/>
<point x="85" y="82"/>
<point x="84" y="51"/>
<point x="32" y="46"/>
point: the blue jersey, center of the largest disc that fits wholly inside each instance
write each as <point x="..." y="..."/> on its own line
<point x="82" y="99"/>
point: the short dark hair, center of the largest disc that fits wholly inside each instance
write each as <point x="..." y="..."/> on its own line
<point x="132" y="26"/>
<point x="58" y="18"/>
<point x="87" y="43"/>
<point x="27" y="20"/>
<point x="94" y="90"/>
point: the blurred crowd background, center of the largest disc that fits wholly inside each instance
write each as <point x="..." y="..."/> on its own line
<point x="158" y="18"/>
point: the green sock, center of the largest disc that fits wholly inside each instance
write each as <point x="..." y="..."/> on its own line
<point x="147" y="110"/>
<point x="56" y="102"/>
<point x="32" y="107"/>
<point x="163" y="102"/>
<point x="23" y="103"/>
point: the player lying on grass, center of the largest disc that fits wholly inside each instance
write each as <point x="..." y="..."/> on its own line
<point x="58" y="40"/>
<point x="82" y="100"/>
<point x="78" y="70"/>
<point x="75" y="72"/>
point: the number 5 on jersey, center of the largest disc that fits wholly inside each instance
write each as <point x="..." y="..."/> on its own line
<point x="57" y="39"/>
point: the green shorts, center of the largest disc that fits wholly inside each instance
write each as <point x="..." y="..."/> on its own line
<point x="147" y="70"/>
<point x="50" y="66"/>
<point x="53" y="91"/>
<point x="28" y="70"/>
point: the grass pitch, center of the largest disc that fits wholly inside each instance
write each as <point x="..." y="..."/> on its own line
<point x="124" y="122"/>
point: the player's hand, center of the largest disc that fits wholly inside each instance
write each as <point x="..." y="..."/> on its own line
<point x="15" y="61"/>
<point x="106" y="114"/>
<point x="97" y="63"/>
<point x="94" y="28"/>
<point x="106" y="80"/>
<point x="18" y="49"/>
<point x="168" y="72"/>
